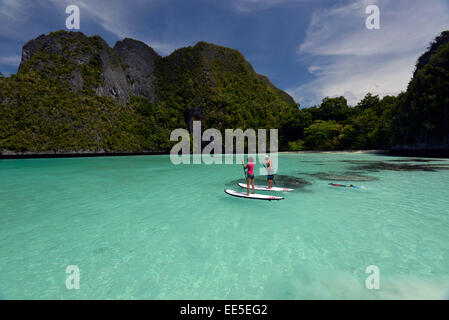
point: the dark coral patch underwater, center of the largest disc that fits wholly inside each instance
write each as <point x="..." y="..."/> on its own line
<point x="375" y="166"/>
<point x="348" y="176"/>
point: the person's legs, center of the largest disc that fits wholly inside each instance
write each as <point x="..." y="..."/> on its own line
<point x="248" y="183"/>
<point x="254" y="187"/>
<point x="270" y="181"/>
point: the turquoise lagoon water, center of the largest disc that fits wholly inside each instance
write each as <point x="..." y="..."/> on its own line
<point x="142" y="228"/>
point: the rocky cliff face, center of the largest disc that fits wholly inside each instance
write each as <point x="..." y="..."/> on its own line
<point x="139" y="63"/>
<point x="77" y="52"/>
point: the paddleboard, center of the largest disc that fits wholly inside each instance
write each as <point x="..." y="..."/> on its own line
<point x="252" y="196"/>
<point x="264" y="188"/>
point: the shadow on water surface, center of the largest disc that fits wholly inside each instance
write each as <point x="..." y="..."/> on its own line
<point x="317" y="163"/>
<point x="414" y="160"/>
<point x="376" y="166"/>
<point x="100" y="251"/>
<point x="347" y="176"/>
<point x="279" y="180"/>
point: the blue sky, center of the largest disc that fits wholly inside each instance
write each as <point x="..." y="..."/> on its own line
<point x="310" y="48"/>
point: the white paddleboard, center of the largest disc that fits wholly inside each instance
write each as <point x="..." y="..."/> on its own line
<point x="264" y="188"/>
<point x="252" y="196"/>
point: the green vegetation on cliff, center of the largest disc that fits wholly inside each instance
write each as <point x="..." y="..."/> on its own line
<point x="422" y="118"/>
<point x="218" y="86"/>
<point x="40" y="114"/>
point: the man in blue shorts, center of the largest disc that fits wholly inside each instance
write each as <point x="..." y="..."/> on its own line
<point x="270" y="171"/>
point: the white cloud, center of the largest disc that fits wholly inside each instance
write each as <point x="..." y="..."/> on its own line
<point x="11" y="9"/>
<point x="13" y="16"/>
<point x="352" y="60"/>
<point x="116" y="17"/>
<point x="316" y="70"/>
<point x="110" y="15"/>
<point x="354" y="78"/>
<point x="10" y="60"/>
<point x="244" y="6"/>
<point x="163" y="48"/>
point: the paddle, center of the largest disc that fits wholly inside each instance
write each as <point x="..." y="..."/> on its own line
<point x="244" y="171"/>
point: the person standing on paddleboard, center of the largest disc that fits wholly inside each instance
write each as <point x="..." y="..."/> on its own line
<point x="270" y="171"/>
<point x="250" y="174"/>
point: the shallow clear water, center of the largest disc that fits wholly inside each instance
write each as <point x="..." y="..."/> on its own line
<point x="142" y="228"/>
